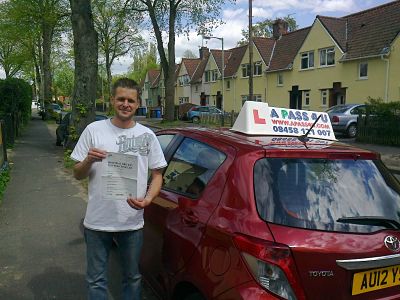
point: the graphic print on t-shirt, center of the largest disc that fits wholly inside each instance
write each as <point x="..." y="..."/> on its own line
<point x="134" y="144"/>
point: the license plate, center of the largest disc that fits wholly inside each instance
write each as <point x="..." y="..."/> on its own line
<point x="376" y="279"/>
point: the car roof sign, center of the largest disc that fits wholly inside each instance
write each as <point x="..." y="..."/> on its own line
<point x="257" y="118"/>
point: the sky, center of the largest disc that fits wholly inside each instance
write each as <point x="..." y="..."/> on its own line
<point x="235" y="18"/>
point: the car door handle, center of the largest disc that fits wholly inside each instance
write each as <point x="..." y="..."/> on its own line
<point x="189" y="218"/>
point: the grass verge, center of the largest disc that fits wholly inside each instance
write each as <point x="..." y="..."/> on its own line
<point x="69" y="164"/>
<point x="4" y="178"/>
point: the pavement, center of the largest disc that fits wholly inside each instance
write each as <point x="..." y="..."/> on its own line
<point x="42" y="250"/>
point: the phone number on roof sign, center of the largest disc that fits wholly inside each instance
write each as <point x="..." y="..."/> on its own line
<point x="294" y="130"/>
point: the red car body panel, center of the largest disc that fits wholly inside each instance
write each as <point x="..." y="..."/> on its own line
<point x="189" y="241"/>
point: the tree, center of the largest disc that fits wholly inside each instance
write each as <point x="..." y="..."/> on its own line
<point x="117" y="31"/>
<point x="265" y="29"/>
<point x="176" y="17"/>
<point x="36" y="22"/>
<point x="142" y="62"/>
<point x="63" y="79"/>
<point x="86" y="60"/>
<point x="188" y="54"/>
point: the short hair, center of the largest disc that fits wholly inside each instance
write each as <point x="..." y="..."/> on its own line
<point x="126" y="83"/>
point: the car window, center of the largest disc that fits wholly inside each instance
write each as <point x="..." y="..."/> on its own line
<point x="204" y="109"/>
<point x="315" y="193"/>
<point x="214" y="110"/>
<point x="358" y="110"/>
<point x="100" y="117"/>
<point x="191" y="168"/>
<point x="164" y="140"/>
<point x="337" y="109"/>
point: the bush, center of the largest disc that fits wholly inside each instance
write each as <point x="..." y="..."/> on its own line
<point x="16" y="96"/>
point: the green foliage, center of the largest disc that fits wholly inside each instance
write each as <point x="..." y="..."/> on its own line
<point x="15" y="96"/>
<point x="265" y="29"/>
<point x="68" y="161"/>
<point x="4" y="178"/>
<point x="143" y="60"/>
<point x="381" y="123"/>
<point x="64" y="79"/>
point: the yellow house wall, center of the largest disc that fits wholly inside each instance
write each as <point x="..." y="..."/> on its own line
<point x="394" y="72"/>
<point x="240" y="85"/>
<point x="317" y="78"/>
<point x="179" y="91"/>
<point x="213" y="86"/>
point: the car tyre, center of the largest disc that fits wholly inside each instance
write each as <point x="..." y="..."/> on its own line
<point x="58" y="142"/>
<point x="352" y="130"/>
<point x="196" y="120"/>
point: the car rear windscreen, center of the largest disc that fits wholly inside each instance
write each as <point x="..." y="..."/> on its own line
<point x="316" y="193"/>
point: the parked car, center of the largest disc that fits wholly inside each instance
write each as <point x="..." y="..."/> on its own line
<point x="344" y="118"/>
<point x="194" y="114"/>
<point x="244" y="216"/>
<point x="62" y="131"/>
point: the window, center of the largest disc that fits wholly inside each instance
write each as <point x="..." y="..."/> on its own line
<point x="359" y="110"/>
<point x="257" y="68"/>
<point x="214" y="75"/>
<point x="306" y="97"/>
<point x="192" y="167"/>
<point x="207" y="76"/>
<point x="196" y="88"/>
<point x="228" y="84"/>
<point x="245" y="70"/>
<point x="327" y="57"/>
<point x="183" y="100"/>
<point x="256" y="98"/>
<point x="307" y="60"/>
<point x="324" y="97"/>
<point x="308" y="193"/>
<point x="149" y="102"/>
<point x="164" y="140"/>
<point x="363" y="70"/>
<point x="280" y="79"/>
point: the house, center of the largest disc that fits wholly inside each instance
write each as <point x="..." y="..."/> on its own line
<point x="151" y="92"/>
<point x="340" y="60"/>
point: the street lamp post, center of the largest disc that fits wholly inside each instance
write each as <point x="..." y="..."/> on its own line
<point x="222" y="65"/>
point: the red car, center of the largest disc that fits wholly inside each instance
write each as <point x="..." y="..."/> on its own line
<point x="245" y="216"/>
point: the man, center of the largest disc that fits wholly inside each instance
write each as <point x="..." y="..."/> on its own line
<point x="122" y="220"/>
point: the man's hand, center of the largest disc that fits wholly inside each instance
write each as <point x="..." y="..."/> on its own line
<point x="138" y="203"/>
<point x="95" y="154"/>
<point x="81" y="169"/>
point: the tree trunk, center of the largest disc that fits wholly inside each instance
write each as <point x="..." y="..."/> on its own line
<point x="109" y="78"/>
<point x="170" y="74"/>
<point x="47" y="35"/>
<point x="86" y="56"/>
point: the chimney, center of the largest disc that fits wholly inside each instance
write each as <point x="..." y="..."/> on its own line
<point x="278" y="28"/>
<point x="203" y="50"/>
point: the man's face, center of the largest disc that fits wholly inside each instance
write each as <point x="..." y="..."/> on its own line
<point x="125" y="103"/>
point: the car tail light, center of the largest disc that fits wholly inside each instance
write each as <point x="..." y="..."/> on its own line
<point x="335" y="119"/>
<point x="272" y="266"/>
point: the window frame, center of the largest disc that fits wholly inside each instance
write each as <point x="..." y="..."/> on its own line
<point x="306" y="96"/>
<point x="279" y="79"/>
<point x="257" y="67"/>
<point x="245" y="68"/>
<point x="322" y="97"/>
<point x="325" y="53"/>
<point x="359" y="70"/>
<point x="307" y="55"/>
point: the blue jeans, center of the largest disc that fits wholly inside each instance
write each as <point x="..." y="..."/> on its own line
<point x="98" y="245"/>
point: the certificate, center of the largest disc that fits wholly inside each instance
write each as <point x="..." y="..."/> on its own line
<point x="119" y="178"/>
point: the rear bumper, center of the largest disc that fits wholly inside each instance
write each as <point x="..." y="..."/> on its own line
<point x="339" y="128"/>
<point x="250" y="290"/>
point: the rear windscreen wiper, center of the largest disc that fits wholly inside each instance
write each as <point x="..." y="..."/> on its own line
<point x="369" y="220"/>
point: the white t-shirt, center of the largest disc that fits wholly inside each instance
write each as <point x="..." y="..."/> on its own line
<point x="108" y="215"/>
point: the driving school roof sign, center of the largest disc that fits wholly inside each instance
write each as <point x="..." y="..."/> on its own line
<point x="257" y="118"/>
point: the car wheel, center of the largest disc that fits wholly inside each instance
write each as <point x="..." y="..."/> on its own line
<point x="352" y="131"/>
<point x="195" y="119"/>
